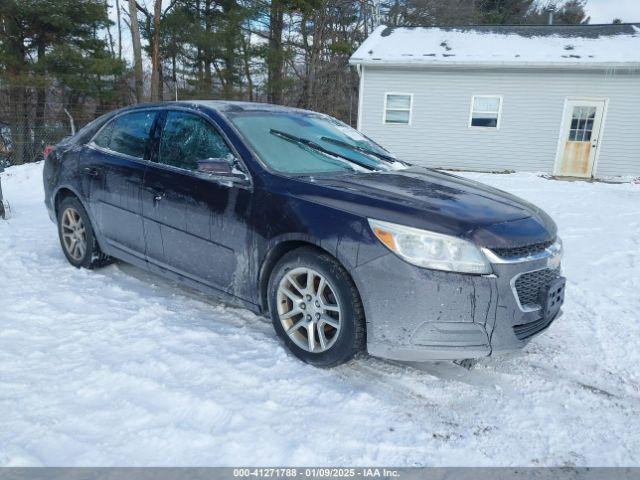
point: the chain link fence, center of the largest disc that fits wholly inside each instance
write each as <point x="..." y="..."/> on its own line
<point x="27" y="127"/>
<point x="30" y="144"/>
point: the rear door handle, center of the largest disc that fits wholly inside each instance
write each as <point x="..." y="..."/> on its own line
<point x="92" y="172"/>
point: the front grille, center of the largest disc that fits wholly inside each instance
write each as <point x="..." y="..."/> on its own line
<point x="524" y="251"/>
<point x="528" y="285"/>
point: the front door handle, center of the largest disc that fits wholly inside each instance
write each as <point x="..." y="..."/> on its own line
<point x="92" y="172"/>
<point x="156" y="193"/>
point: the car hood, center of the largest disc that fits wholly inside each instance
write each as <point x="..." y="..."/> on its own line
<point x="436" y="201"/>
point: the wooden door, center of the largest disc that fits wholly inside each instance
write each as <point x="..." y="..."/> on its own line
<point x="580" y="138"/>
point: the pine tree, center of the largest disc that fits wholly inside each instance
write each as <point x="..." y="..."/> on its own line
<point x="52" y="45"/>
<point x="504" y="12"/>
<point x="572" y="13"/>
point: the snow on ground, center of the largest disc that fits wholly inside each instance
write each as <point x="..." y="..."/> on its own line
<point x="119" y="367"/>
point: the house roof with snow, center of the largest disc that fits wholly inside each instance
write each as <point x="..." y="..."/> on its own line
<point x="581" y="46"/>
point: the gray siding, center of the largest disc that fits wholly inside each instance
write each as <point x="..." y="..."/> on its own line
<point x="532" y="108"/>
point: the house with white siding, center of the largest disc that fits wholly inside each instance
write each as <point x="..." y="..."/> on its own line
<point x="549" y="98"/>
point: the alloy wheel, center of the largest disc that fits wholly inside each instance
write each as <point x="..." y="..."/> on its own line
<point x="74" y="235"/>
<point x="308" y="309"/>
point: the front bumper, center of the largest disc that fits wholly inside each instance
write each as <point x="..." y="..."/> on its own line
<point x="416" y="314"/>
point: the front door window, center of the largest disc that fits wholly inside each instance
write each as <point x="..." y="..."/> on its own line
<point x="188" y="141"/>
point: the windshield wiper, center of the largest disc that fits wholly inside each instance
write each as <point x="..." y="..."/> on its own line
<point x="366" y="151"/>
<point x="318" y="148"/>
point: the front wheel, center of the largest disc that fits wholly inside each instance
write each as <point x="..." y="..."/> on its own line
<point x="315" y="308"/>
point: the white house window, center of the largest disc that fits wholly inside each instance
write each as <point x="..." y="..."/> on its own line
<point x="397" y="108"/>
<point x="485" y="111"/>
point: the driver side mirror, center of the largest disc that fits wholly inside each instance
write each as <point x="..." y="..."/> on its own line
<point x="222" y="167"/>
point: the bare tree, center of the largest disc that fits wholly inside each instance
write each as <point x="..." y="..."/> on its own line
<point x="119" y="30"/>
<point x="137" y="49"/>
<point x="156" y="88"/>
<point x="109" y="36"/>
<point x="154" y="36"/>
<point x="275" y="58"/>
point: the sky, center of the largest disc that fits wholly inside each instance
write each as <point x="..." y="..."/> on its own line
<point x="604" y="11"/>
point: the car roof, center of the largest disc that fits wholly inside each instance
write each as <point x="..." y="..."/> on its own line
<point x="223" y="106"/>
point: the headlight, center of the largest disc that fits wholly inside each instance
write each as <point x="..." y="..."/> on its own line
<point x="431" y="250"/>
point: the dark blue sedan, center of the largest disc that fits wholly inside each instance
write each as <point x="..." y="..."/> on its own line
<point x="296" y="215"/>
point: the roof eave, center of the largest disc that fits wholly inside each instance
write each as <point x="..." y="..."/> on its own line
<point x="510" y="64"/>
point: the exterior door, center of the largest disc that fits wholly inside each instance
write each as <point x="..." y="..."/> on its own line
<point x="194" y="222"/>
<point x="115" y="167"/>
<point x="580" y="138"/>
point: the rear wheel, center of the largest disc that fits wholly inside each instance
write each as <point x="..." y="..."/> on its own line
<point x="5" y="209"/>
<point x="315" y="308"/>
<point x="76" y="235"/>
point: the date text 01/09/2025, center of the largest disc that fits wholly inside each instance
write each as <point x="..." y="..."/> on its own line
<point x="316" y="472"/>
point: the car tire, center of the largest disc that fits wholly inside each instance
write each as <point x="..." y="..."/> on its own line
<point x="334" y="314"/>
<point x="77" y="239"/>
<point x="5" y="210"/>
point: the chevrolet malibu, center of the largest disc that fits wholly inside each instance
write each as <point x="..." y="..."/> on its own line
<point x="295" y="215"/>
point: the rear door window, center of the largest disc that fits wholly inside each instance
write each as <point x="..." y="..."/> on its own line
<point x="128" y="134"/>
<point x="104" y="136"/>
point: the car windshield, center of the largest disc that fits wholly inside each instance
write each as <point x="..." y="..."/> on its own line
<point x="305" y="142"/>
